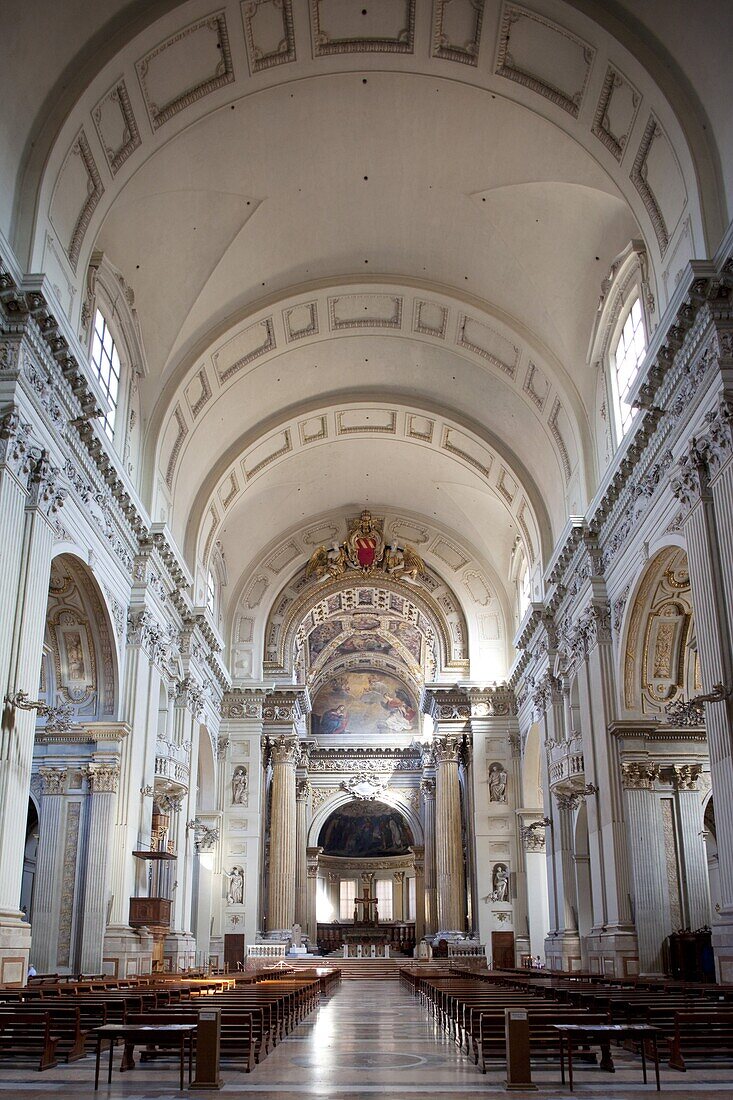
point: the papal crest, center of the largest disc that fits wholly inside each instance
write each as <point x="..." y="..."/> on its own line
<point x="365" y="550"/>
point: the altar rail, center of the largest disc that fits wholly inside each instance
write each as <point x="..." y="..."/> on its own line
<point x="477" y="949"/>
<point x="400" y="937"/>
<point x="266" y="950"/>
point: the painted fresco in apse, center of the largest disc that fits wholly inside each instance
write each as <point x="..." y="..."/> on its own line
<point x="365" y="703"/>
<point x="361" y="829"/>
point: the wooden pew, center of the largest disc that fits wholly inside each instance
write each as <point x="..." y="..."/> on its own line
<point x="28" y="1033"/>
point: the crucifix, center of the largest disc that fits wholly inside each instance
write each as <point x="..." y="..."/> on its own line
<point x="368" y="913"/>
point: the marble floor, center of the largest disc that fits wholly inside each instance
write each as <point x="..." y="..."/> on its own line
<point x="369" y="1040"/>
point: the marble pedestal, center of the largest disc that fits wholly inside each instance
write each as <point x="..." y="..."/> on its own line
<point x="15" y="945"/>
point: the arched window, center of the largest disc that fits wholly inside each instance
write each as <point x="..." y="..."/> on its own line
<point x="210" y="592"/>
<point x="525" y="591"/>
<point x="106" y="361"/>
<point x="625" y="361"/>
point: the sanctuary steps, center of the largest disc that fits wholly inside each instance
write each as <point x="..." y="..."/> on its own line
<point x="375" y="969"/>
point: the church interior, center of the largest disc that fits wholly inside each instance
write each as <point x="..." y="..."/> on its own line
<point x="366" y="591"/>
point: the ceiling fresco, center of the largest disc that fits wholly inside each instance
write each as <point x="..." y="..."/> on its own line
<point x="367" y="703"/>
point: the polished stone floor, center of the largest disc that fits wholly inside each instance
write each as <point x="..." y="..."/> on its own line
<point x="369" y="1040"/>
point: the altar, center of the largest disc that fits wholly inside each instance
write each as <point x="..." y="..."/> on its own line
<point x="358" y="950"/>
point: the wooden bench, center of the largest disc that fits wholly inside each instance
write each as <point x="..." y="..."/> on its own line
<point x="28" y="1033"/>
<point x="237" y="1032"/>
<point x="701" y="1035"/>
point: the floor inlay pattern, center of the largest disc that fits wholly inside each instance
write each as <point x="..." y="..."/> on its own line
<point x="369" y="1039"/>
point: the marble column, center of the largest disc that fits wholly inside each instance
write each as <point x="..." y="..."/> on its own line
<point x="311" y="924"/>
<point x="646" y="841"/>
<point x="694" y="878"/>
<point x="398" y="895"/>
<point x="26" y="523"/>
<point x="47" y="886"/>
<point x="302" y="795"/>
<point x="281" y="899"/>
<point x="431" y="900"/>
<point x="450" y="873"/>
<point x="102" y="777"/>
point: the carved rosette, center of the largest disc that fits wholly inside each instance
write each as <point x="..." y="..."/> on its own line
<point x="637" y="776"/>
<point x="102" y="778"/>
<point x="53" y="780"/>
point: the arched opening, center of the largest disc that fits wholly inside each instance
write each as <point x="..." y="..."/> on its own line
<point x="583" y="881"/>
<point x="30" y="859"/>
<point x="366" y="886"/>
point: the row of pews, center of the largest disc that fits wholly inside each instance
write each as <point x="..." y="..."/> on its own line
<point x="54" y="1020"/>
<point x="695" y="1022"/>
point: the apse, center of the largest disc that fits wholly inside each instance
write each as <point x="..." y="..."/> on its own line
<point x="365" y="830"/>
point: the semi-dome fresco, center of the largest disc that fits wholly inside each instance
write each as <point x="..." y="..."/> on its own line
<point x="368" y="702"/>
<point x="365" y="829"/>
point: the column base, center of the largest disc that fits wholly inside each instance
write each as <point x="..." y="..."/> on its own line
<point x="127" y="951"/>
<point x="723" y="945"/>
<point x="562" y="951"/>
<point x="15" y="946"/>
<point x="613" y="952"/>
<point x="179" y="951"/>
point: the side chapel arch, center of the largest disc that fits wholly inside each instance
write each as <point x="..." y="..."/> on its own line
<point x="660" y="662"/>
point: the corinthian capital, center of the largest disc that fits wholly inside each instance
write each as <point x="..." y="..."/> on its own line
<point x="447" y="750"/>
<point x="684" y="777"/>
<point x="637" y="776"/>
<point x="15" y="442"/>
<point x="53" y="779"/>
<point x="103" y="778"/>
<point x="45" y="492"/>
<point x="284" y="751"/>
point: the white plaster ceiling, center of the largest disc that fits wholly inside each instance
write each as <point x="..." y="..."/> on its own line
<point x="483" y="187"/>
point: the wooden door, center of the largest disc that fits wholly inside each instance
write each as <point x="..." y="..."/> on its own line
<point x="233" y="952"/>
<point x="502" y="949"/>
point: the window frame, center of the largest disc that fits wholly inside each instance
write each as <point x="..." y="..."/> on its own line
<point x="633" y="298"/>
<point x="114" y="403"/>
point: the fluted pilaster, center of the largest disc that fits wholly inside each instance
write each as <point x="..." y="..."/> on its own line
<point x="302" y="795"/>
<point x="695" y="883"/>
<point x="431" y="899"/>
<point x="103" y="779"/>
<point x="47" y="886"/>
<point x="646" y="840"/>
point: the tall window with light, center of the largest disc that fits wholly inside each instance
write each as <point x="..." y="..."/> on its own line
<point x="625" y="360"/>
<point x="106" y="362"/>
<point x="210" y="593"/>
